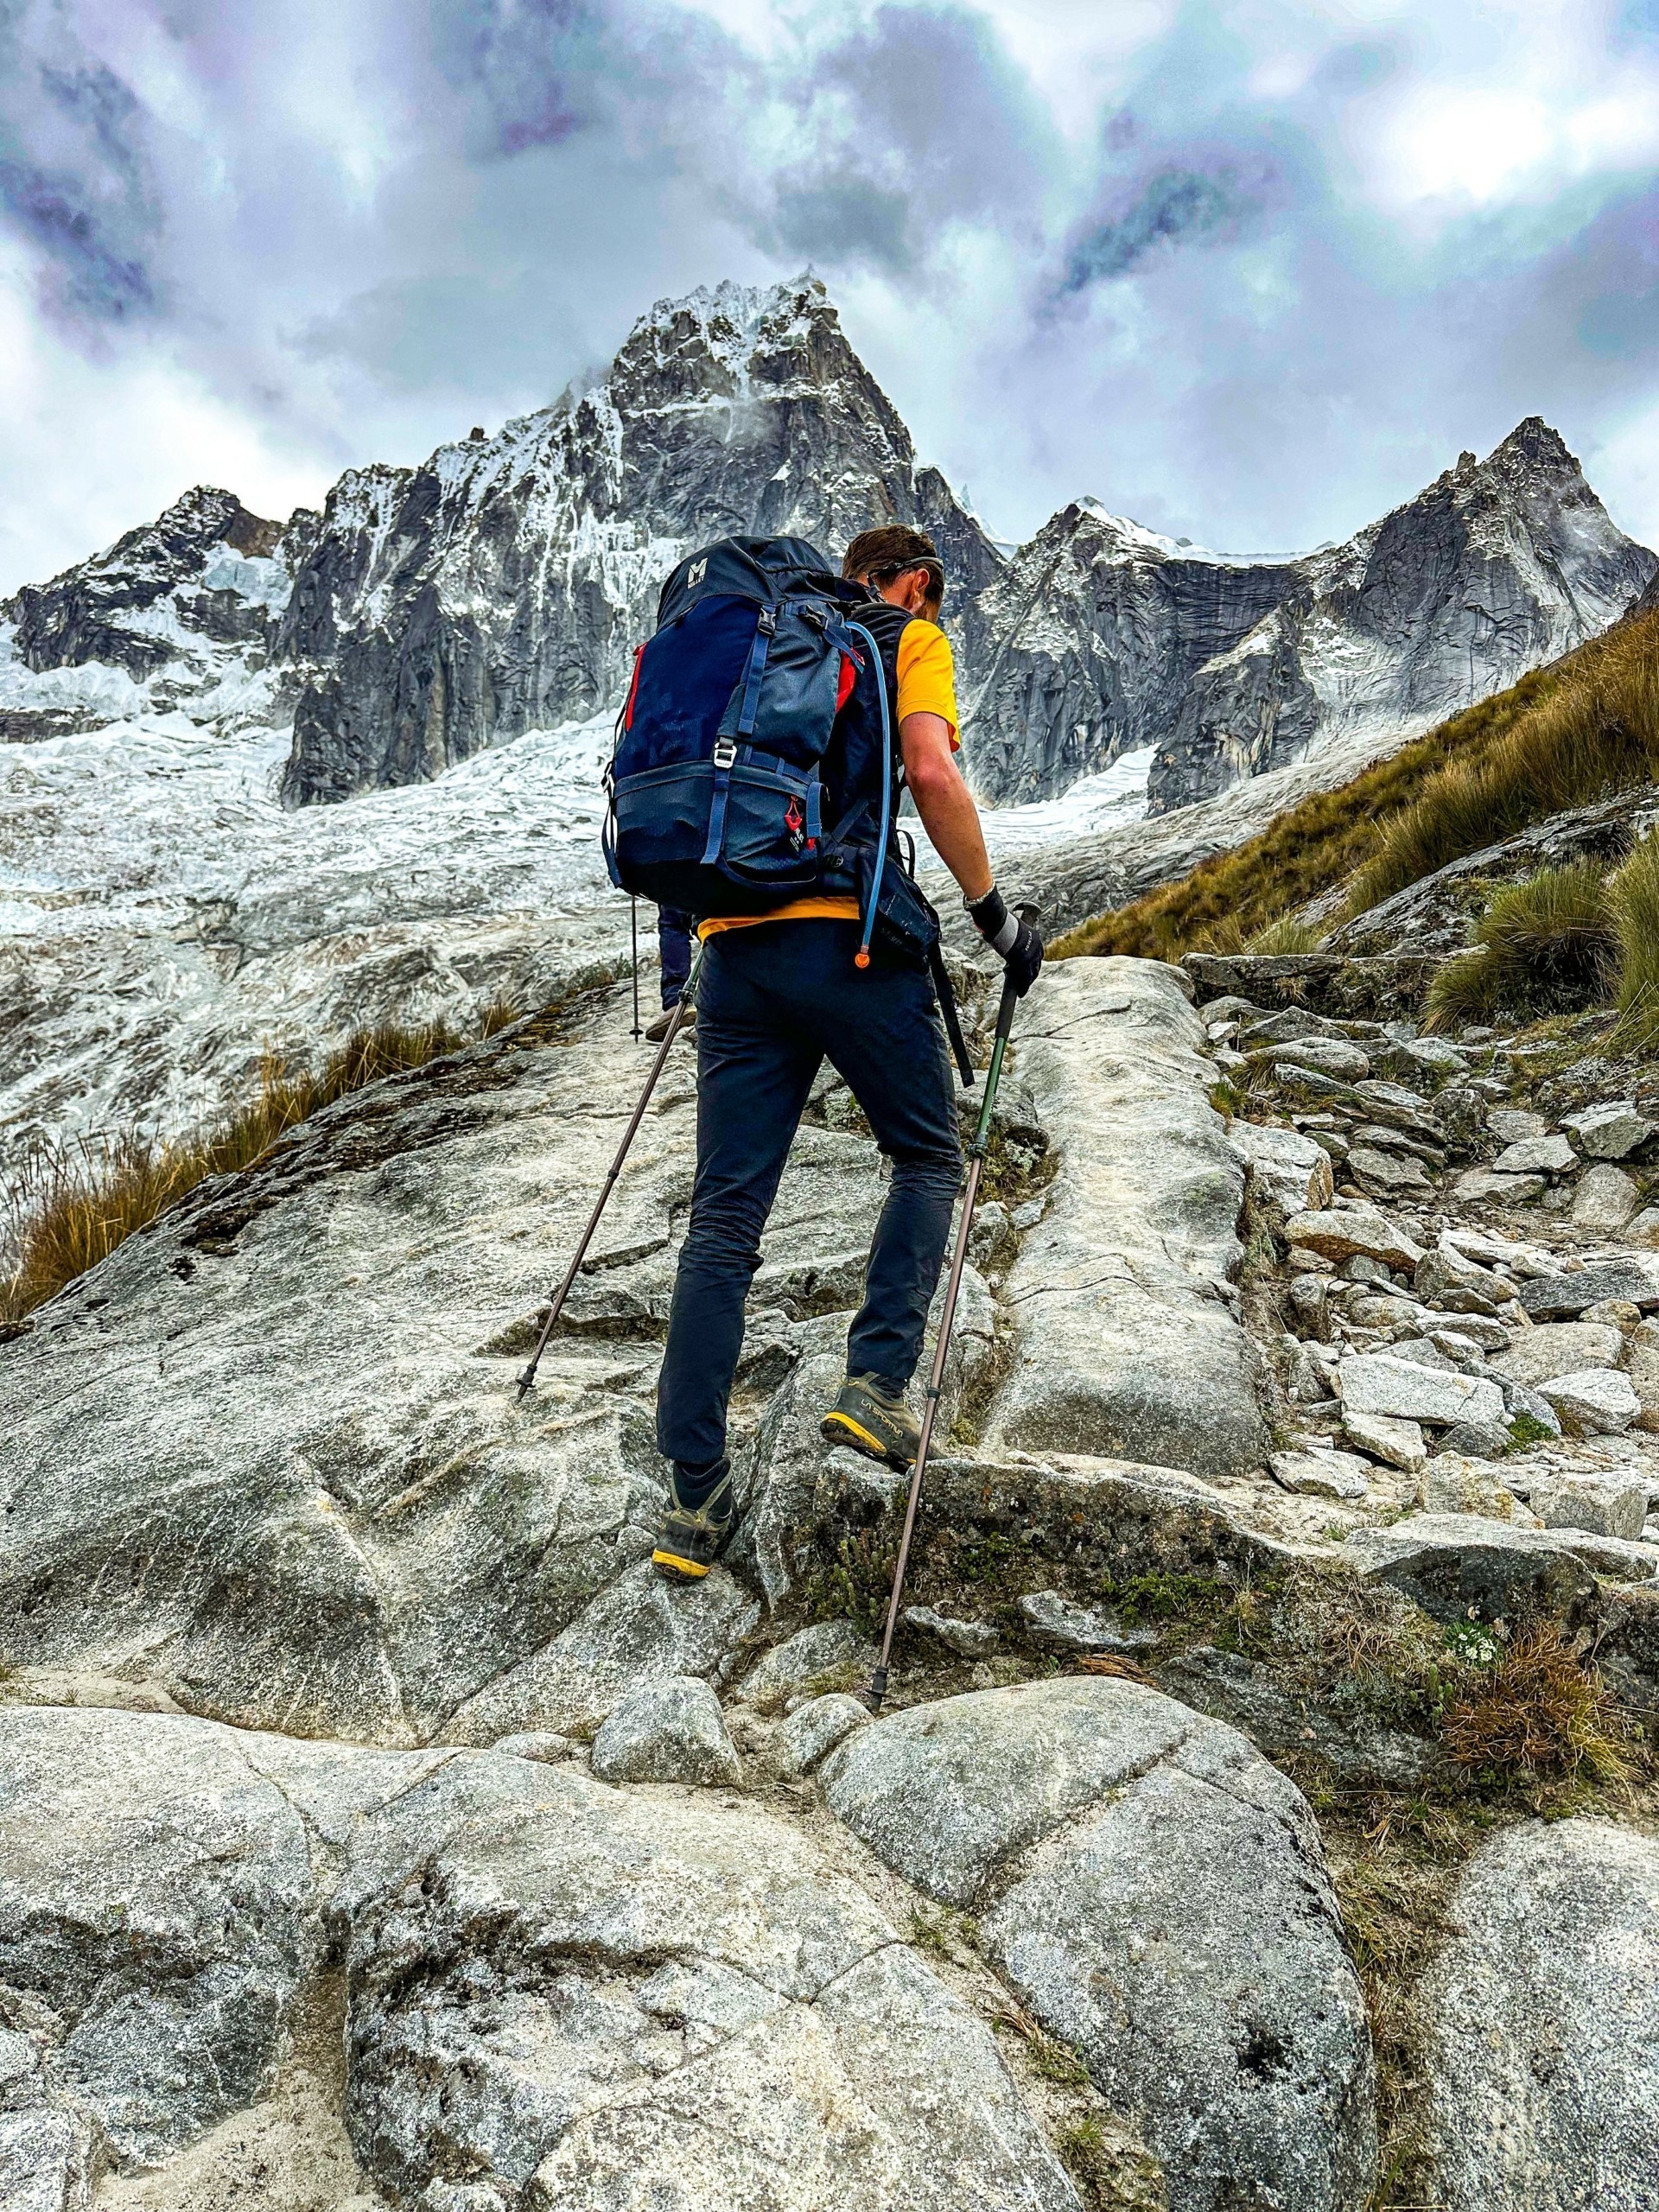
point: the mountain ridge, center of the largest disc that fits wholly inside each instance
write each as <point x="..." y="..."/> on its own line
<point x="500" y="585"/>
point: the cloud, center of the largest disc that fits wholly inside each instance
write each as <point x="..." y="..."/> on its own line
<point x="1254" y="275"/>
<point x="74" y="182"/>
<point x="1174" y="205"/>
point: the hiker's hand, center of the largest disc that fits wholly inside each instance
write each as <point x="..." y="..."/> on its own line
<point x="1024" y="958"/>
<point x="1014" y="940"/>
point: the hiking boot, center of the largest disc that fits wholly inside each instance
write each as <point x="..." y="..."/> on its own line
<point x="659" y="1029"/>
<point x="690" y="1538"/>
<point x="873" y="1421"/>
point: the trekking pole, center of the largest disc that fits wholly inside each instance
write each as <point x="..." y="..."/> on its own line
<point x="942" y="1343"/>
<point x="633" y="935"/>
<point x="638" y="1116"/>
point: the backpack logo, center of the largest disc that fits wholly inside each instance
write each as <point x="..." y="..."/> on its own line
<point x="695" y="573"/>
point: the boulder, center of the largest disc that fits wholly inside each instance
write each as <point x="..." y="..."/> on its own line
<point x="1290" y="1170"/>
<point x="537" y="1743"/>
<point x="825" y="1649"/>
<point x="1481" y="1186"/>
<point x="1642" y="1364"/>
<point x="1389" y="1172"/>
<point x="1360" y="1230"/>
<point x="1123" y="1295"/>
<point x="1643" y="1231"/>
<point x="639" y="1630"/>
<point x="1377" y="1382"/>
<point x="156" y="1898"/>
<point x="1424" y="1058"/>
<point x="1096" y="1825"/>
<point x="1445" y="1275"/>
<point x="1515" y="1124"/>
<point x="1480" y="1439"/>
<point x="1054" y="1620"/>
<point x="1399" y="1443"/>
<point x="1612" y="1130"/>
<point x="1459" y="1566"/>
<point x="1517" y="1260"/>
<point x="1327" y="1055"/>
<point x="970" y="1639"/>
<point x="1557" y="1348"/>
<point x="575" y="1995"/>
<point x="1231" y="1688"/>
<point x="1459" y="1112"/>
<point x="1454" y="1482"/>
<point x="812" y="1731"/>
<point x="1594" y="1401"/>
<point x="1388" y="1310"/>
<point x="1400" y="1107"/>
<point x="1606" y="1200"/>
<point x="1562" y="1297"/>
<point x="1607" y="1506"/>
<point x="671" y="1731"/>
<point x="1321" y="1474"/>
<point x="1472" y="1333"/>
<point x="1542" y="2014"/>
<point x="293" y="1486"/>
<point x="1536" y="1156"/>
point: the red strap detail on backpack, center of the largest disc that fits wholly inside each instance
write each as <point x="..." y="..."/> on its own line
<point x="628" y="712"/>
<point x="848" y="678"/>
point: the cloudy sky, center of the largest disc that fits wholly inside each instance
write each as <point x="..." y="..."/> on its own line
<point x="1251" y="270"/>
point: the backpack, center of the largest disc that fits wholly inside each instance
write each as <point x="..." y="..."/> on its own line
<point x="753" y="760"/>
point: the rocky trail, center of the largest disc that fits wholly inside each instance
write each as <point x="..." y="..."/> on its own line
<point x="376" y="1830"/>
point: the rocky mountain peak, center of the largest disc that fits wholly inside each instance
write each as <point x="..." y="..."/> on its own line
<point x="503" y="586"/>
<point x="93" y="611"/>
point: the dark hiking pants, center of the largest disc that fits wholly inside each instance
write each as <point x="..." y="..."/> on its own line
<point x="673" y="953"/>
<point x="773" y="1001"/>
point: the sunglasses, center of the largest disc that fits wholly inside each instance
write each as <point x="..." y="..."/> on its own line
<point x="933" y="571"/>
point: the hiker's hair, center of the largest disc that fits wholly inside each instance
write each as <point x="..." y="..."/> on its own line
<point x="881" y="555"/>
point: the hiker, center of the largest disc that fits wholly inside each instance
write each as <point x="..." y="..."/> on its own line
<point x="779" y="992"/>
<point x="674" y="968"/>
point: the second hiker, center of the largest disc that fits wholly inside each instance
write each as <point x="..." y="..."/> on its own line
<point x="777" y="994"/>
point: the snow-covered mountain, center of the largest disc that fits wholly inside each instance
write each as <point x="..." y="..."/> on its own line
<point x="441" y="645"/>
<point x="178" y="615"/>
<point x="501" y="586"/>
<point x="504" y="584"/>
<point x="1101" y="635"/>
<point x="1497" y="566"/>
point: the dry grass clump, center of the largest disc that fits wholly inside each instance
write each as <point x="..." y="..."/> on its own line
<point x="75" y="1205"/>
<point x="1633" y="911"/>
<point x="1541" y="1714"/>
<point x="1545" y="946"/>
<point x="1597" y="732"/>
<point x="1561" y="736"/>
<point x="1310" y="847"/>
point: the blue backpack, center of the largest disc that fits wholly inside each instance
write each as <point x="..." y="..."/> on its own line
<point x="753" y="758"/>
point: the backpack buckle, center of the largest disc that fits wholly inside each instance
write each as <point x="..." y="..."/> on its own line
<point x="725" y="752"/>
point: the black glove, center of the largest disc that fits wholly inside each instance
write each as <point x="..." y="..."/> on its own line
<point x="1015" y="941"/>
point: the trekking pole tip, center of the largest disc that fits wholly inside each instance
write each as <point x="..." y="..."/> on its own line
<point x="877" y="1690"/>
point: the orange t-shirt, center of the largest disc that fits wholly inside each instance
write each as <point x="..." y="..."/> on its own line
<point x="927" y="685"/>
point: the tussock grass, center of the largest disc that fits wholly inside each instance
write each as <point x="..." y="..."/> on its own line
<point x="1544" y="946"/>
<point x="1588" y="724"/>
<point x="1633" y="905"/>
<point x="1594" y="734"/>
<point x="74" y="1204"/>
<point x="1541" y="1716"/>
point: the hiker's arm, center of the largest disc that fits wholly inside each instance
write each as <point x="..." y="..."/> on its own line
<point x="944" y="802"/>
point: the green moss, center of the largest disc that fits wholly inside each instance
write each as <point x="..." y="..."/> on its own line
<point x="1526" y="1428"/>
<point x="1113" y="2172"/>
<point x="1163" y="1597"/>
